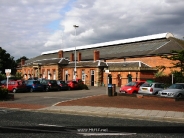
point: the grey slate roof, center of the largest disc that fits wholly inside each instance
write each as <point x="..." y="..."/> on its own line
<point x="128" y="66"/>
<point x="48" y="61"/>
<point x="136" y="49"/>
<point x="87" y="64"/>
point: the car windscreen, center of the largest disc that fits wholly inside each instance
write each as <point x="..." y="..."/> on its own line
<point x="36" y="82"/>
<point x="52" y="81"/>
<point x="132" y="84"/>
<point x="62" y="82"/>
<point x="146" y="85"/>
<point x="177" y="86"/>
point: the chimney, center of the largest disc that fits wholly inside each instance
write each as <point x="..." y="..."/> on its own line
<point x="22" y="62"/>
<point x="71" y="57"/>
<point x="60" y="54"/>
<point x="79" y="57"/>
<point x="96" y="55"/>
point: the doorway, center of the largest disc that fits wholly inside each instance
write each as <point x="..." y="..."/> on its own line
<point x="119" y="80"/>
<point x="66" y="75"/>
<point x="92" y="77"/>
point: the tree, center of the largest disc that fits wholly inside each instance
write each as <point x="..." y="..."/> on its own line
<point x="178" y="57"/>
<point x="18" y="61"/>
<point x="7" y="62"/>
<point x="160" y="71"/>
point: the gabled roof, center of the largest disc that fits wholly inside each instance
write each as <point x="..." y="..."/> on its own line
<point x="48" y="61"/>
<point x="129" y="66"/>
<point x="117" y="42"/>
<point x="156" y="45"/>
<point x="97" y="63"/>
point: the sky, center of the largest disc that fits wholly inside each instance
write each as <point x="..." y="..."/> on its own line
<point x="30" y="27"/>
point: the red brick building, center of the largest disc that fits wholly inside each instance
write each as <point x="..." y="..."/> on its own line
<point x="135" y="57"/>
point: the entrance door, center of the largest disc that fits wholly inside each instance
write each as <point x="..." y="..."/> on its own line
<point x="66" y="75"/>
<point x="92" y="77"/>
<point x="119" y="80"/>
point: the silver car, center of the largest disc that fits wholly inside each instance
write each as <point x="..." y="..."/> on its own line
<point x="175" y="90"/>
<point x="151" y="88"/>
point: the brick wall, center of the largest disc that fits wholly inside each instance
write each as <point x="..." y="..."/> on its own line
<point x="151" y="61"/>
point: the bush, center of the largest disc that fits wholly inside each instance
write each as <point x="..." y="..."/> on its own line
<point x="82" y="86"/>
<point x="3" y="93"/>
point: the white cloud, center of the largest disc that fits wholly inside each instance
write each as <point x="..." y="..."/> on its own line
<point x="55" y="39"/>
<point x="30" y="27"/>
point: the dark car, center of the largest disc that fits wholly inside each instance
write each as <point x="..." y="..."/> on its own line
<point x="62" y="85"/>
<point x="49" y="85"/>
<point x="72" y="84"/>
<point x="34" y="85"/>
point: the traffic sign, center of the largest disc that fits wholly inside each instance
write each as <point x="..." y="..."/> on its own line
<point x="7" y="70"/>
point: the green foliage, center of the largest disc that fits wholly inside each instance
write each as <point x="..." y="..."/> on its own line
<point x="82" y="86"/>
<point x="2" y="77"/>
<point x="18" y="61"/>
<point x="178" y="57"/>
<point x="3" y="93"/>
<point x="167" y="80"/>
<point x="178" y="77"/>
<point x="7" y="62"/>
<point x="18" y="76"/>
<point x="160" y="71"/>
<point x="159" y="74"/>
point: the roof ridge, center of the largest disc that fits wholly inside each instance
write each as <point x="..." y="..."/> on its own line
<point x="122" y="41"/>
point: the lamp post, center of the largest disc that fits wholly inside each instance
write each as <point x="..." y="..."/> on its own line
<point x="75" y="26"/>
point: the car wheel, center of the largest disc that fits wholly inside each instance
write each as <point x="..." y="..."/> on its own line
<point x="14" y="90"/>
<point x="59" y="89"/>
<point x="46" y="89"/>
<point x="31" y="90"/>
<point x="180" y="95"/>
<point x="134" y="92"/>
<point x="69" y="88"/>
<point x="156" y="93"/>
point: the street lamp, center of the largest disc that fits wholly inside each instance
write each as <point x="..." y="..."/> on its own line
<point x="75" y="26"/>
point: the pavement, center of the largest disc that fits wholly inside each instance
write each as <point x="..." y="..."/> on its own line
<point x="123" y="113"/>
<point x="112" y="112"/>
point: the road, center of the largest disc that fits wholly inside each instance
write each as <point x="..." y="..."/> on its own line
<point x="26" y="124"/>
<point x="51" y="98"/>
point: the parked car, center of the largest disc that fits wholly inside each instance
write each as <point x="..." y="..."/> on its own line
<point x="62" y="85"/>
<point x="151" y="88"/>
<point x="131" y="87"/>
<point x="34" y="85"/>
<point x="175" y="90"/>
<point x="49" y="85"/>
<point x="72" y="84"/>
<point x="15" y="86"/>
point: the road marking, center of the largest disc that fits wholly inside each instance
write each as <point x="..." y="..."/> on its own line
<point x="106" y="134"/>
<point x="49" y="125"/>
<point x="73" y="99"/>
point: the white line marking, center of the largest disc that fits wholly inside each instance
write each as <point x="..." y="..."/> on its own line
<point x="106" y="134"/>
<point x="49" y="125"/>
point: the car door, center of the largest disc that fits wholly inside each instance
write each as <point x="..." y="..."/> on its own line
<point x="158" y="87"/>
<point x="19" y="85"/>
<point x="11" y="85"/>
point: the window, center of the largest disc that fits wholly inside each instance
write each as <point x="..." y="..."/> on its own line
<point x="54" y="74"/>
<point x="66" y="75"/>
<point x="159" y="86"/>
<point x="48" y="74"/>
<point x="83" y="75"/>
